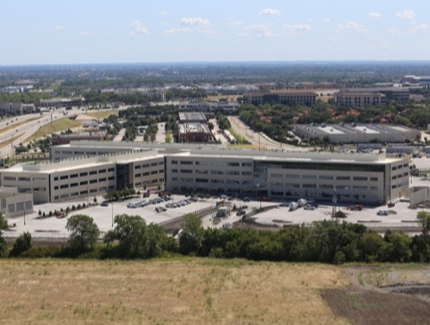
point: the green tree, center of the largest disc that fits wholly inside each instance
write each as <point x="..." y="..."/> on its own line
<point x="190" y="239"/>
<point x="23" y="243"/>
<point x="84" y="233"/>
<point x="3" y="244"/>
<point x="424" y="221"/>
<point x="168" y="138"/>
<point x="130" y="231"/>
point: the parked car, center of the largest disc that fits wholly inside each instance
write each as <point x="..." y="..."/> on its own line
<point x="308" y="207"/>
<point x="132" y="205"/>
<point x="285" y="204"/>
<point x="104" y="204"/>
<point x="241" y="213"/>
<point x="160" y="209"/>
<point x="383" y="213"/>
<point x="246" y="199"/>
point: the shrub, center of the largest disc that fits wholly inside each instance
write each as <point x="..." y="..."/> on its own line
<point x="22" y="243"/>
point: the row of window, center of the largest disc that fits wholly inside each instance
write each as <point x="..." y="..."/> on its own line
<point x="83" y="183"/>
<point x="212" y="172"/>
<point x="153" y="164"/>
<point x="324" y="177"/>
<point x="83" y="174"/>
<point x="206" y="180"/>
<point x="154" y="172"/>
<point x="75" y="194"/>
<point x="211" y="163"/>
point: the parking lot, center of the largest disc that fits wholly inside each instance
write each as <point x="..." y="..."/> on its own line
<point x="399" y="216"/>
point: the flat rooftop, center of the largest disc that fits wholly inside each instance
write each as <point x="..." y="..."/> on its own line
<point x="192" y="116"/>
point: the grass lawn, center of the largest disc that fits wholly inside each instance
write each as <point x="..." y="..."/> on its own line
<point x="182" y="290"/>
<point x="9" y="141"/>
<point x="101" y="115"/>
<point x="56" y="126"/>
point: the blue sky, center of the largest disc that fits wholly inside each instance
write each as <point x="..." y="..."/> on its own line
<point x="128" y="31"/>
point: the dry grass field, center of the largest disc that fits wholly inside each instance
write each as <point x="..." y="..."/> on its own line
<point x="184" y="291"/>
<point x="56" y="126"/>
<point x="101" y="115"/>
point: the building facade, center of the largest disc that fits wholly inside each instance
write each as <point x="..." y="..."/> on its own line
<point x="282" y="97"/>
<point x="282" y="175"/>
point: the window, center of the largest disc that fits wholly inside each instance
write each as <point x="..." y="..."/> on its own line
<point x="93" y="181"/>
<point x="102" y="171"/>
<point x="276" y="175"/>
<point x="93" y="172"/>
<point x="246" y="164"/>
<point x="83" y="174"/>
<point x="145" y="166"/>
<point x="154" y="164"/>
<point x="138" y="175"/>
<point x="186" y="171"/>
<point x="64" y="177"/>
<point x="359" y="187"/>
<point x="309" y="177"/>
<point x="64" y="186"/>
<point x="230" y="172"/>
<point x="357" y="178"/>
<point x="373" y="179"/>
<point x="174" y="162"/>
<point x="154" y="172"/>
<point x="55" y="178"/>
<point x="246" y="173"/>
<point x="73" y="175"/>
<point x="9" y="178"/>
<point x="233" y="164"/>
<point x="216" y="172"/>
<point x="102" y="179"/>
<point x="73" y="184"/>
<point x="138" y="167"/>
<point x="186" y="162"/>
<point x="83" y="183"/>
<point x="35" y="179"/>
<point x="147" y="173"/>
<point x="291" y="176"/>
<point x="111" y="178"/>
<point x="174" y="170"/>
<point x="326" y="177"/>
<point x="111" y="169"/>
<point x="343" y="178"/>
<point x="202" y="163"/>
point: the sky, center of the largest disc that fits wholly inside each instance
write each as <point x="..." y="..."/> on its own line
<point x="131" y="31"/>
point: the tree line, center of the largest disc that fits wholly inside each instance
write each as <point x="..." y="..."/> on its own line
<point x="325" y="242"/>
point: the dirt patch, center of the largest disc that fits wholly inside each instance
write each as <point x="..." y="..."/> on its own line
<point x="362" y="306"/>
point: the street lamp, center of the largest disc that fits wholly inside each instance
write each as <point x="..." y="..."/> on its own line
<point x="24" y="215"/>
<point x="112" y="214"/>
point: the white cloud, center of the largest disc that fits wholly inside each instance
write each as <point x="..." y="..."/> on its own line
<point x="164" y="13"/>
<point x="419" y="28"/>
<point x="295" y="29"/>
<point x="352" y="25"/>
<point x="138" y="28"/>
<point x="177" y="31"/>
<point x="260" y="30"/>
<point x="327" y="20"/>
<point x="85" y="33"/>
<point x="406" y="15"/>
<point x="270" y="12"/>
<point x="59" y="27"/>
<point x="374" y="14"/>
<point x="236" y="23"/>
<point x="194" y="21"/>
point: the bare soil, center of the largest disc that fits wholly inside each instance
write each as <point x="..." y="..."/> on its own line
<point x="384" y="294"/>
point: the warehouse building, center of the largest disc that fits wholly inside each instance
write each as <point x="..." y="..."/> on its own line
<point x="356" y="133"/>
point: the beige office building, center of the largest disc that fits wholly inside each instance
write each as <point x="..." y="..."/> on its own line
<point x="84" y="177"/>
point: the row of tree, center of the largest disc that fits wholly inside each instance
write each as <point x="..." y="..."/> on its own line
<point x="324" y="242"/>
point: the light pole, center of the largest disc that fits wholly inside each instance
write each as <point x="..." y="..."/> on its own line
<point x="24" y="215"/>
<point x="112" y="214"/>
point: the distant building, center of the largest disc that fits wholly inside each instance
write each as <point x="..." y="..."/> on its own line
<point x="192" y="117"/>
<point x="194" y="132"/>
<point x="16" y="108"/>
<point x="282" y="97"/>
<point x="359" y="97"/>
<point x="416" y="80"/>
<point x="356" y="133"/>
<point x="61" y="102"/>
<point x="15" y="89"/>
<point x="59" y="139"/>
<point x="209" y="106"/>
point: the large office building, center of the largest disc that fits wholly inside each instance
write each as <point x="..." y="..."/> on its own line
<point x="211" y="106"/>
<point x="61" y="102"/>
<point x="16" y="108"/>
<point x="360" y="97"/>
<point x="13" y="203"/>
<point x="283" y="97"/>
<point x="356" y="133"/>
<point x="84" y="177"/>
<point x="362" y="178"/>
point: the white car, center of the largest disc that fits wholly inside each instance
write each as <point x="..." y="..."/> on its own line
<point x="382" y="213"/>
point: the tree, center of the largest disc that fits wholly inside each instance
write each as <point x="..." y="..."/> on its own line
<point x="168" y="138"/>
<point x="190" y="239"/>
<point x="23" y="243"/>
<point x="3" y="244"/>
<point x="424" y="221"/>
<point x="130" y="232"/>
<point x="84" y="233"/>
